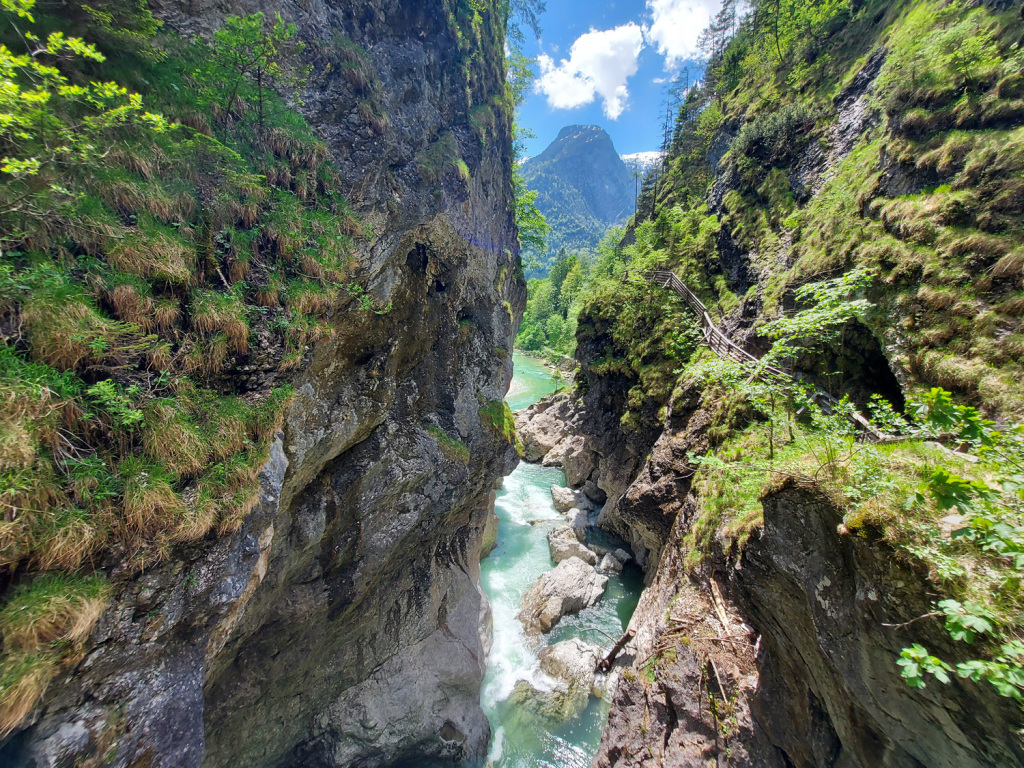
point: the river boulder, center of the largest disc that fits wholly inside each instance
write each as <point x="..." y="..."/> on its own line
<point x="572" y="662"/>
<point x="563" y="544"/>
<point x="541" y="427"/>
<point x="579" y="521"/>
<point x="570" y="666"/>
<point x="563" y="498"/>
<point x="567" y="589"/>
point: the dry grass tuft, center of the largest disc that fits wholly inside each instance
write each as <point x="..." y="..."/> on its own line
<point x="64" y="333"/>
<point x="936" y="298"/>
<point x="131" y="306"/>
<point x="133" y="196"/>
<point x="309" y="298"/>
<point x="44" y="618"/>
<point x="237" y="509"/>
<point x="52" y="608"/>
<point x="171" y="438"/>
<point x="64" y="539"/>
<point x="166" y="314"/>
<point x="952" y="372"/>
<point x="198" y="519"/>
<point x="207" y="358"/>
<point x="1011" y="265"/>
<point x="150" y="503"/>
<point x="214" y="313"/>
<point x="154" y="256"/>
<point x="1014" y="306"/>
<point x="160" y="356"/>
<point x="23" y="681"/>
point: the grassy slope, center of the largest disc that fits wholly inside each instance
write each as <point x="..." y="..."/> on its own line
<point x="944" y="237"/>
<point x="123" y="304"/>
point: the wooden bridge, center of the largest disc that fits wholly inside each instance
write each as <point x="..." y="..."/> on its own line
<point x="726" y="348"/>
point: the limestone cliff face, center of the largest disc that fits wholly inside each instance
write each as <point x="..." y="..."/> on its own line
<point x="341" y="625"/>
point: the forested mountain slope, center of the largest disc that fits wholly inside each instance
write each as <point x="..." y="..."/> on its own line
<point x="845" y="193"/>
<point x="582" y="186"/>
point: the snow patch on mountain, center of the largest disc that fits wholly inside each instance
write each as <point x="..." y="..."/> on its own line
<point x="642" y="161"/>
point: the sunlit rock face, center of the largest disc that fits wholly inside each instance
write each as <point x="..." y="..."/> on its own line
<point x="340" y="625"/>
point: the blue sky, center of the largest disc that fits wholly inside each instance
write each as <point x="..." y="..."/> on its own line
<point x="605" y="62"/>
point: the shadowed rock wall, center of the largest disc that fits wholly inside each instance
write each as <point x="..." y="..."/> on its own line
<point x="341" y="625"/>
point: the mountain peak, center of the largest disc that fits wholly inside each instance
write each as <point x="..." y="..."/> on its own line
<point x="582" y="186"/>
<point x="573" y="131"/>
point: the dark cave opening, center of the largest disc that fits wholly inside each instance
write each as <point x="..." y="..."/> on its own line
<point x="855" y="366"/>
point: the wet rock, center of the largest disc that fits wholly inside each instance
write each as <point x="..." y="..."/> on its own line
<point x="578" y="461"/>
<point x="490" y="534"/>
<point x="571" y="666"/>
<point x="567" y="589"/>
<point x="579" y="521"/>
<point x="592" y="492"/>
<point x="563" y="544"/>
<point x="563" y="498"/>
<point x="539" y="430"/>
<point x="547" y="429"/>
<point x="609" y="564"/>
<point x="556" y="456"/>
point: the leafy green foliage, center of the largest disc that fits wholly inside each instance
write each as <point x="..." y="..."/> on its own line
<point x="992" y="508"/>
<point x="552" y="306"/>
<point x="821" y="323"/>
<point x="530" y="222"/>
<point x="137" y="257"/>
<point x="915" y="662"/>
<point x="497" y="416"/>
<point x="260" y="50"/>
<point x="48" y="123"/>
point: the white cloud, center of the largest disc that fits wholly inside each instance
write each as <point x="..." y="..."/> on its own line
<point x="676" y="26"/>
<point x="599" y="65"/>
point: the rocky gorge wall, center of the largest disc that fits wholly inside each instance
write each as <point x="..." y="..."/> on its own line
<point x="780" y="654"/>
<point x="780" y="651"/>
<point x="340" y="626"/>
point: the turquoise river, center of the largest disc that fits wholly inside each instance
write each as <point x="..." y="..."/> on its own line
<point x="526" y="515"/>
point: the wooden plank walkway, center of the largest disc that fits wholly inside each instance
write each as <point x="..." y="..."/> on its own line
<point x="726" y="348"/>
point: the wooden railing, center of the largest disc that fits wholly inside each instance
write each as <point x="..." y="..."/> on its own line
<point x="725" y="347"/>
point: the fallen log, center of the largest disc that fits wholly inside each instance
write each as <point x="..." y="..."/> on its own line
<point x="606" y="663"/>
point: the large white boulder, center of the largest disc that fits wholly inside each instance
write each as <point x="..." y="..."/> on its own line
<point x="563" y="544"/>
<point x="563" y="498"/>
<point x="540" y="428"/>
<point x="609" y="564"/>
<point x="567" y="589"/>
<point x="579" y="521"/>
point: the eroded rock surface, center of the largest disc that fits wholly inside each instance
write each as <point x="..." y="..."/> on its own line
<point x="805" y="660"/>
<point x="563" y="544"/>
<point x="569" y="588"/>
<point x="570" y="665"/>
